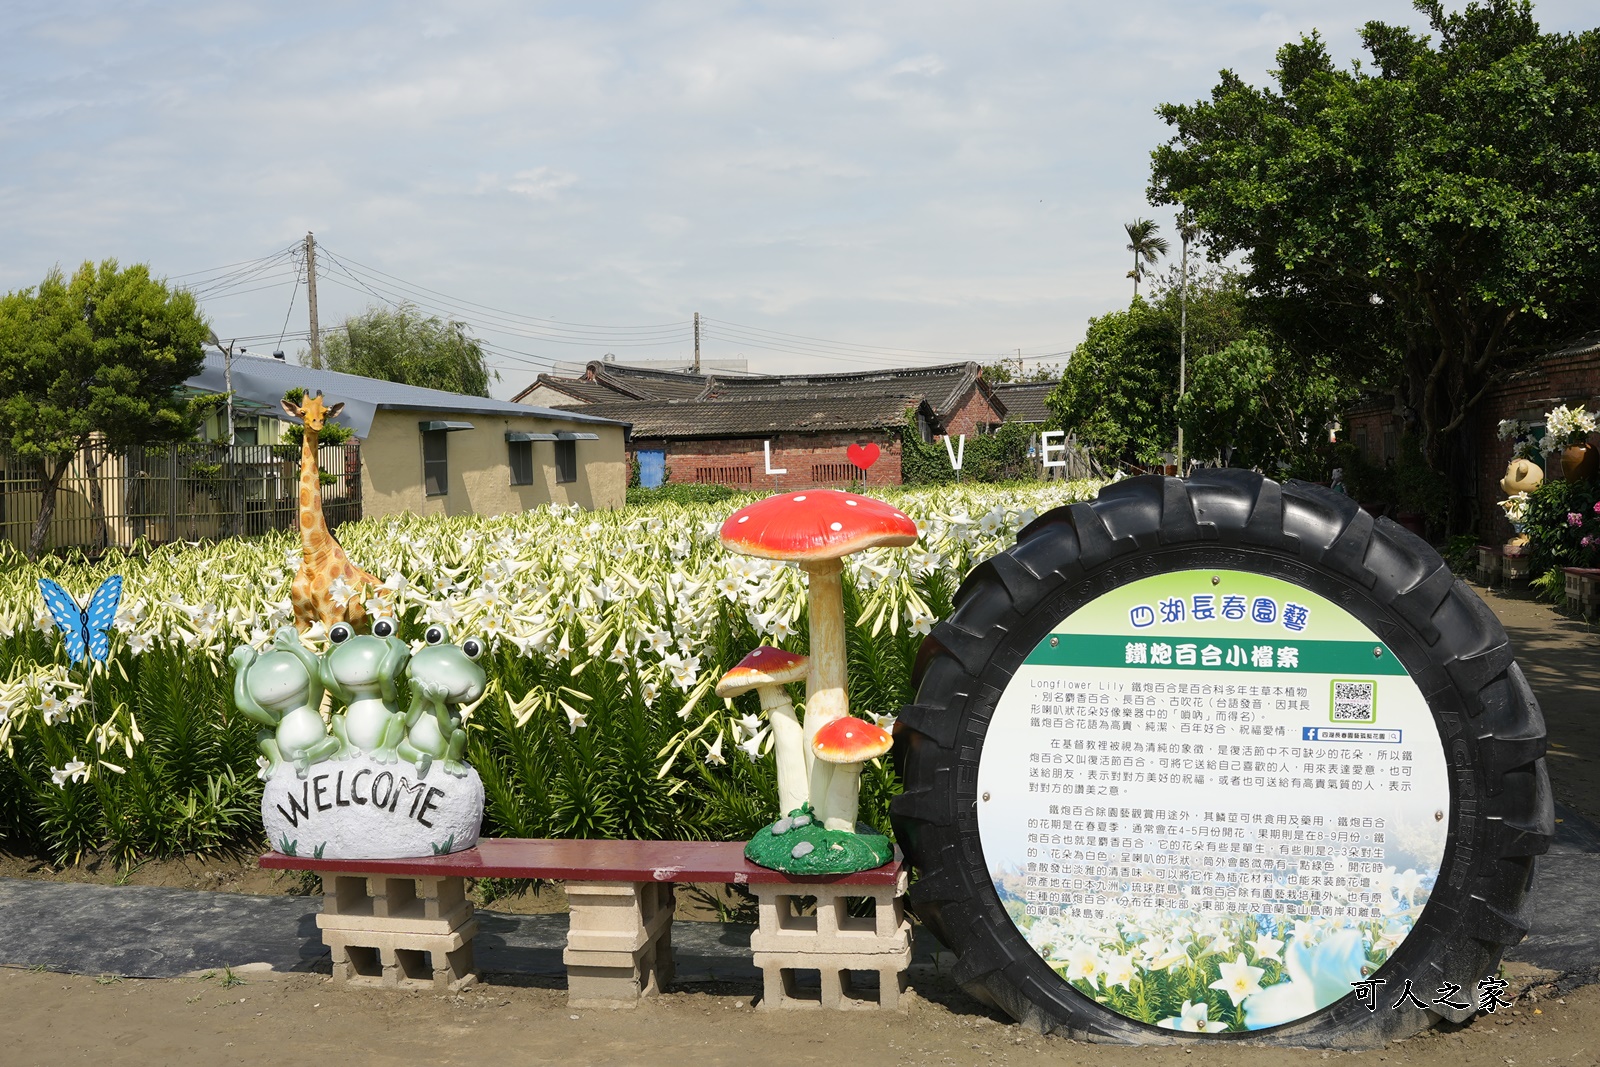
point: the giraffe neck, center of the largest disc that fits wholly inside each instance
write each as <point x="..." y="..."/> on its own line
<point x="313" y="528"/>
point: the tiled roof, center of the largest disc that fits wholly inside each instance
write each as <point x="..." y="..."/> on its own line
<point x="720" y="418"/>
<point x="943" y="386"/>
<point x="264" y="381"/>
<point x="1025" y="401"/>
<point x="645" y="384"/>
<point x="1583" y="346"/>
<point x="582" y="390"/>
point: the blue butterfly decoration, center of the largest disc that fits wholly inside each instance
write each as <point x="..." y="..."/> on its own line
<point x="84" y="629"/>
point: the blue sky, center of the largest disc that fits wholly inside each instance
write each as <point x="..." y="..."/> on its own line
<point x="917" y="181"/>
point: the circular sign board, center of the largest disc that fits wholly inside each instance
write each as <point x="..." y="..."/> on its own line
<point x="1218" y="757"/>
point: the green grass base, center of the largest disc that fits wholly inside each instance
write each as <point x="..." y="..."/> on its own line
<point x="832" y="851"/>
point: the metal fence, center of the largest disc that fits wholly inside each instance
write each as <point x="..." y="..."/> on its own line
<point x="187" y="492"/>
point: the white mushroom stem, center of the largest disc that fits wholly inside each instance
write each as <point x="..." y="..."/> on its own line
<point x="788" y="741"/>
<point x="826" y="696"/>
<point x="839" y="808"/>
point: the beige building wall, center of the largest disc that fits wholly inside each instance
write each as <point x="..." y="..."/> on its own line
<point x="480" y="466"/>
<point x="542" y="396"/>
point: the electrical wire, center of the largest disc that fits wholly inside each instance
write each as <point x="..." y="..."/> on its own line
<point x="240" y="278"/>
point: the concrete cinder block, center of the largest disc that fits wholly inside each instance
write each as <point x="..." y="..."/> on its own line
<point x="619" y="942"/>
<point x="403" y="961"/>
<point x="838" y="991"/>
<point x="832" y="943"/>
<point x="398" y="932"/>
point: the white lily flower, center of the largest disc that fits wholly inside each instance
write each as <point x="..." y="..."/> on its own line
<point x="1239" y="979"/>
<point x="575" y="718"/>
<point x="73" y="771"/>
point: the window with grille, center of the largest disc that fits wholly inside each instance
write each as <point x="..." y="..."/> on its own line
<point x="566" y="461"/>
<point x="722" y="475"/>
<point x="521" y="456"/>
<point x="834" y="472"/>
<point x="436" y="462"/>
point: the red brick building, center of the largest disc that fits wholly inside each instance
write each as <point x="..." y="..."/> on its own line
<point x="775" y="432"/>
<point x="1568" y="376"/>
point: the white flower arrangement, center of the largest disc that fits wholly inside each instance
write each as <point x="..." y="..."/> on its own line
<point x="1515" y="507"/>
<point x="1567" y="426"/>
<point x="1526" y="438"/>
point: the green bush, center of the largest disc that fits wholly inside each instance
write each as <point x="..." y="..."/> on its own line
<point x="1554" y="540"/>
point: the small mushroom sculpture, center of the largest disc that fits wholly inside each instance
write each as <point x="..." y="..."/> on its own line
<point x="817" y="529"/>
<point x="767" y="670"/>
<point x="846" y="743"/>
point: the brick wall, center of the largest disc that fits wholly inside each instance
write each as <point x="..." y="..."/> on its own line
<point x="1376" y="429"/>
<point x="810" y="460"/>
<point x="1527" y="396"/>
<point x="972" y="416"/>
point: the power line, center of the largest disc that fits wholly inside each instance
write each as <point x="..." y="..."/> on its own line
<point x="520" y="325"/>
<point x="512" y="314"/>
<point x="235" y="279"/>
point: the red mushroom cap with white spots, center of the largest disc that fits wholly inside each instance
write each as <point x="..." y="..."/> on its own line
<point x="765" y="666"/>
<point x="816" y="524"/>
<point x="850" y="740"/>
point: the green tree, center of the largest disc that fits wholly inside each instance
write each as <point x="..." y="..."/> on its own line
<point x="1010" y="370"/>
<point x="1146" y="248"/>
<point x="1120" y="387"/>
<point x="103" y="354"/>
<point x="1426" y="222"/>
<point x="1254" y="405"/>
<point x="401" y="344"/>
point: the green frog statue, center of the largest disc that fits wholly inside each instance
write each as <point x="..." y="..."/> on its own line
<point x="442" y="677"/>
<point x="282" y="690"/>
<point x="363" y="787"/>
<point x="360" y="670"/>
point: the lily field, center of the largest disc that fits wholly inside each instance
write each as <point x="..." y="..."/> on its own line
<point x="606" y="633"/>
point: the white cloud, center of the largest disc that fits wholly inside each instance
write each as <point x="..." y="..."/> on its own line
<point x="928" y="175"/>
<point x="540" y="183"/>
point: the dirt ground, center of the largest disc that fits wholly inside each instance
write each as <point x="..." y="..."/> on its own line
<point x="270" y="1017"/>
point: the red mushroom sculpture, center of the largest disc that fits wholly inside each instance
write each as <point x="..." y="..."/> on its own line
<point x="767" y="670"/>
<point x="817" y="528"/>
<point x="846" y="743"/>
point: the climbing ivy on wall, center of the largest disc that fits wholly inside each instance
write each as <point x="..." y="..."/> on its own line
<point x="997" y="457"/>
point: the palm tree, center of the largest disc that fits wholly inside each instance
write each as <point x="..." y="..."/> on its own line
<point x="1145" y="246"/>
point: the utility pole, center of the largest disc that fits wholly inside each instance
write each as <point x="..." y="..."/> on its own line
<point x="1183" y="326"/>
<point x="697" y="342"/>
<point x="311" y="298"/>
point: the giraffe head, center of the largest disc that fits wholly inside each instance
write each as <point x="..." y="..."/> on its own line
<point x="312" y="411"/>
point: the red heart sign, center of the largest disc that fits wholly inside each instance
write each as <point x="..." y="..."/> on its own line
<point x="863" y="456"/>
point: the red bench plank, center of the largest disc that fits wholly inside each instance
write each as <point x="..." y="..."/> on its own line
<point x="590" y="861"/>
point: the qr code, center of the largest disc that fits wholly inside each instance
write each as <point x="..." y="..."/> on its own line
<point x="1355" y="702"/>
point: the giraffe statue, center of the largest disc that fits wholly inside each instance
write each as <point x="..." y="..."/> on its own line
<point x="322" y="559"/>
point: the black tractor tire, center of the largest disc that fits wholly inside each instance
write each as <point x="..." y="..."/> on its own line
<point x="1489" y="726"/>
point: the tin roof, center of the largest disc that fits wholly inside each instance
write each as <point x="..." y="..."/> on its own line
<point x="263" y="381"/>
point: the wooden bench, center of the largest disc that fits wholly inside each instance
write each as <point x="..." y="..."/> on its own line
<point x="408" y="923"/>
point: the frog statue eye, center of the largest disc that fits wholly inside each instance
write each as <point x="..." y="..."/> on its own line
<point x="340" y="633"/>
<point x="472" y="647"/>
<point x="383" y="628"/>
<point x="435" y="635"/>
